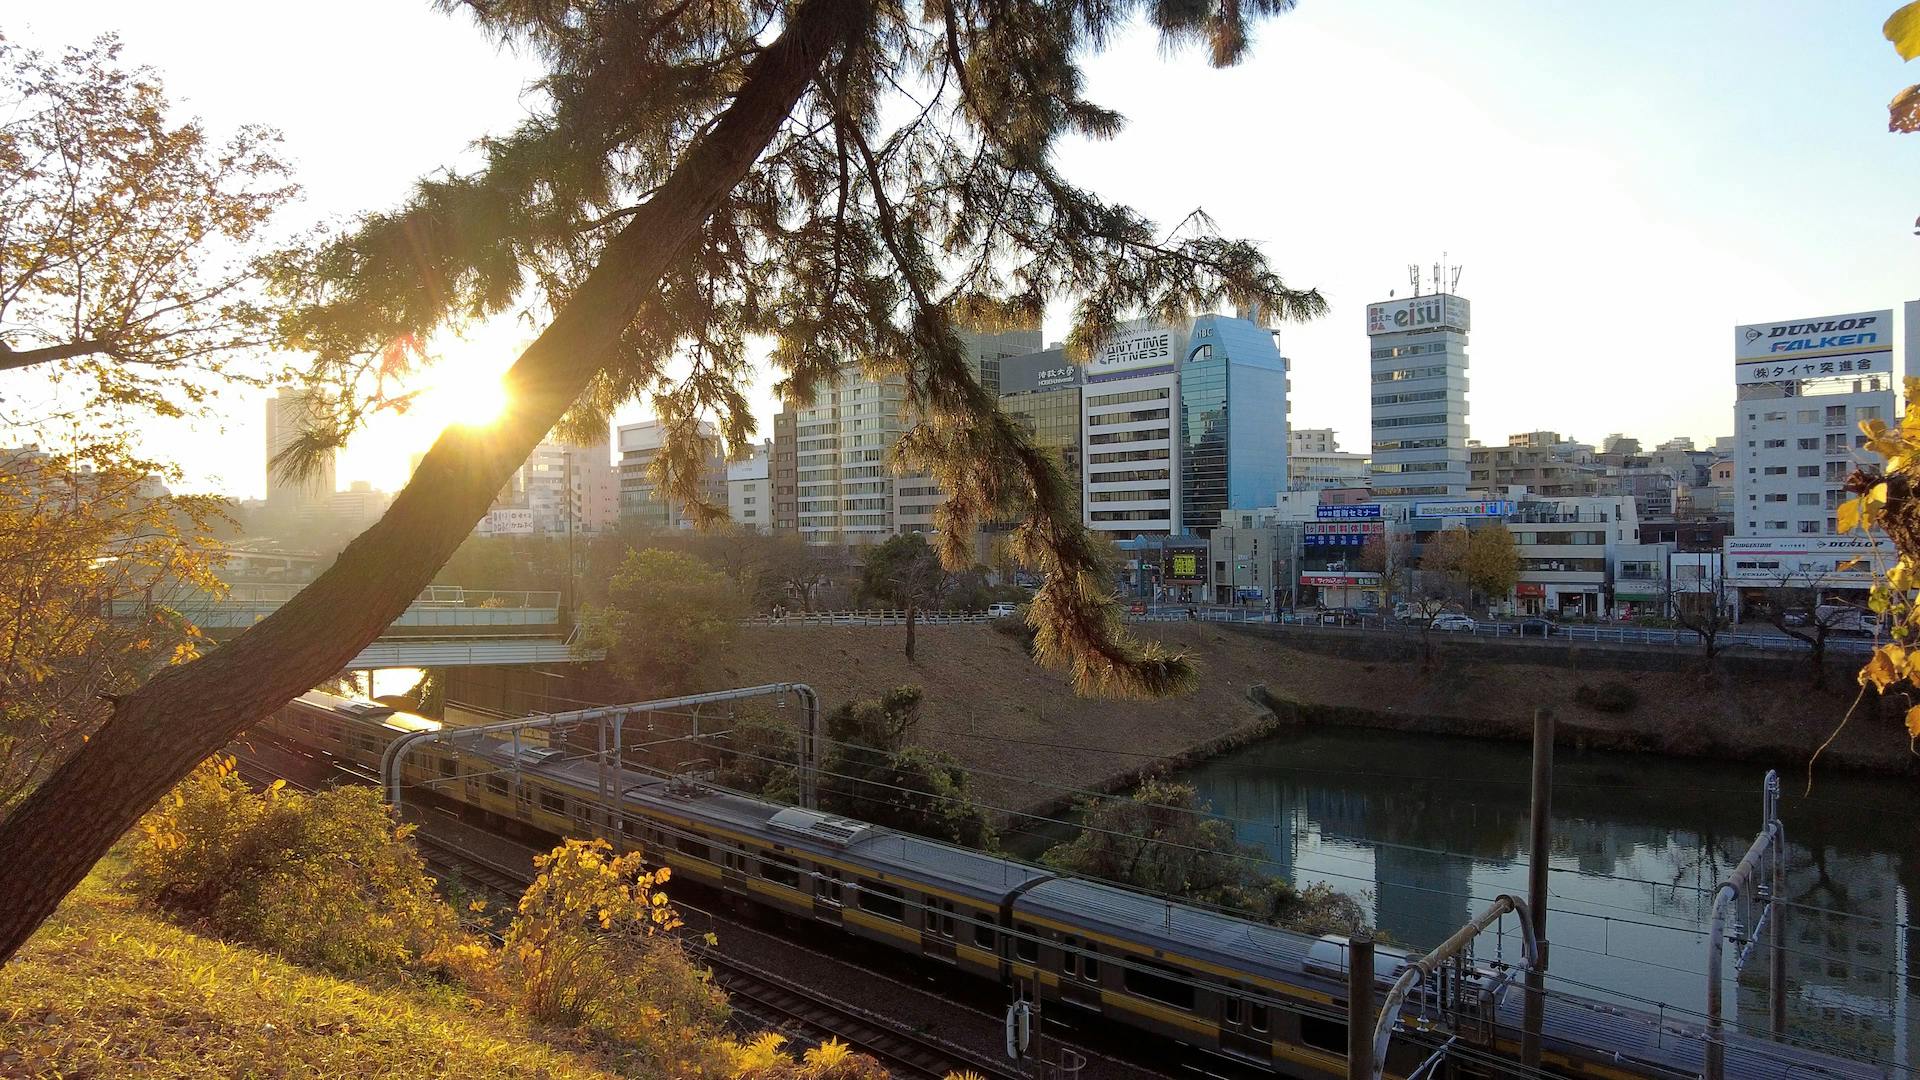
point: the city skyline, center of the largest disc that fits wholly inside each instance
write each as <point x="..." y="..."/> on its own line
<point x="1605" y="255"/>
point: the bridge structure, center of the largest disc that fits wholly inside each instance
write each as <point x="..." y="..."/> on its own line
<point x="446" y="626"/>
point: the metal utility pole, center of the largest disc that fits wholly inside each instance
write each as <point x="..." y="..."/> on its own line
<point x="1537" y="883"/>
<point x="1360" y="1007"/>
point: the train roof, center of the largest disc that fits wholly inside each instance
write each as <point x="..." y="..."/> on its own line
<point x="895" y="855"/>
<point x="361" y="709"/>
<point x="1171" y="926"/>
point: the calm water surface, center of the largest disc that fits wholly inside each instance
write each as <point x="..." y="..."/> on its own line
<point x="1425" y="830"/>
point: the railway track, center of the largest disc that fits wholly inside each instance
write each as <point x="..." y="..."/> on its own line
<point x="763" y="999"/>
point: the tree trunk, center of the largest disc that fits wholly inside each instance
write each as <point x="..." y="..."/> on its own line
<point x="912" y="614"/>
<point x="159" y="732"/>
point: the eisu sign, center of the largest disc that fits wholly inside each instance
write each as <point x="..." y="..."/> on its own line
<point x="1812" y="348"/>
<point x="1436" y="311"/>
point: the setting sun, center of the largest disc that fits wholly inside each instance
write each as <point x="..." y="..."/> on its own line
<point x="474" y="402"/>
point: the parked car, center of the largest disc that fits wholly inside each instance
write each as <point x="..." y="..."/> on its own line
<point x="1455" y="623"/>
<point x="1338" y="616"/>
<point x="1535" y="626"/>
<point x="1136" y="608"/>
<point x="1002" y="610"/>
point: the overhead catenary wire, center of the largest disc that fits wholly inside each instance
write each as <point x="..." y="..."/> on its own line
<point x="627" y="814"/>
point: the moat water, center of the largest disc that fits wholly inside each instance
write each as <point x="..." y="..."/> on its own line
<point x="1425" y="830"/>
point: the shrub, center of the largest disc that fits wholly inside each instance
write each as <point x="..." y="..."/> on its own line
<point x="591" y="948"/>
<point x="326" y="879"/>
<point x="1608" y="697"/>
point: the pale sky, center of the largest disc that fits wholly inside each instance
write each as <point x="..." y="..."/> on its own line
<point x="1623" y="183"/>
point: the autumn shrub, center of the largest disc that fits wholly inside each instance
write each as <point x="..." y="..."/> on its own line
<point x="765" y="1058"/>
<point x="325" y="879"/>
<point x="591" y="948"/>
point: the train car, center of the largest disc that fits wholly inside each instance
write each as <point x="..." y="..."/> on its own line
<point x="1251" y="993"/>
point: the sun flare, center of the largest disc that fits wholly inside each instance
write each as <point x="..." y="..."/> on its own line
<point x="474" y="402"/>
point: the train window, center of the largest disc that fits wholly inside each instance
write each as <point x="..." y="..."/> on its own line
<point x="449" y="766"/>
<point x="939" y="916"/>
<point x="1257" y="1017"/>
<point x="983" y="934"/>
<point x="553" y="803"/>
<point x="1026" y="945"/>
<point x="497" y="784"/>
<point x="369" y="743"/>
<point x="780" y="870"/>
<point x="690" y="846"/>
<point x="1090" y="964"/>
<point x="1230" y="1009"/>
<point x="1161" y="983"/>
<point x="1070" y="954"/>
<point x="883" y="900"/>
<point x="1324" y="1034"/>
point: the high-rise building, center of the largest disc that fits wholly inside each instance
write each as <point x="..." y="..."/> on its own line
<point x="842" y="444"/>
<point x="1802" y="390"/>
<point x="785" y="473"/>
<point x="750" y="490"/>
<point x="1419" y="362"/>
<point x="1128" y="432"/>
<point x="1042" y="392"/>
<point x="1233" y="420"/>
<point x="640" y="502"/>
<point x="289" y="413"/>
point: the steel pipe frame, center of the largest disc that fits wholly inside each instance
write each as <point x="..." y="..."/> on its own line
<point x="396" y="751"/>
<point x="1446" y="950"/>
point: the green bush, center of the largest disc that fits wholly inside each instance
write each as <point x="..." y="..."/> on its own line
<point x="1608" y="697"/>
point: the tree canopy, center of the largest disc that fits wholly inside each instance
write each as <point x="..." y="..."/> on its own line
<point x="667" y="617"/>
<point x="854" y="180"/>
<point x="126" y="238"/>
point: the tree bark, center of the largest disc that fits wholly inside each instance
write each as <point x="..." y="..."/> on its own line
<point x="159" y="732"/>
<point x="912" y="612"/>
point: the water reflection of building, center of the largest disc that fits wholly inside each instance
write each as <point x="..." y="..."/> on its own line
<point x="1847" y="963"/>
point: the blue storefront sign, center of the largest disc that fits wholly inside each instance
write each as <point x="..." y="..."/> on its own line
<point x="1481" y="508"/>
<point x="1354" y="512"/>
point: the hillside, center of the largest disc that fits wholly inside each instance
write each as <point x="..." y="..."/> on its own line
<point x="107" y="990"/>
<point x="987" y="703"/>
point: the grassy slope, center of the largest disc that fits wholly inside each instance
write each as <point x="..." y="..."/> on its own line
<point x="106" y="990"/>
<point x="983" y="691"/>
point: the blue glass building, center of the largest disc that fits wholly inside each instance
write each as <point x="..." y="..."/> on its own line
<point x="1233" y="421"/>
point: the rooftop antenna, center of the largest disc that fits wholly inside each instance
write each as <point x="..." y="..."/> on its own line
<point x="1455" y="286"/>
<point x="1413" y="277"/>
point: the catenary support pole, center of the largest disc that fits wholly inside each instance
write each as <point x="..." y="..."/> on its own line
<point x="1538" y="850"/>
<point x="1360" y="1007"/>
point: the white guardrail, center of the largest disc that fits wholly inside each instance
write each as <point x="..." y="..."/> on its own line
<point x="870" y="618"/>
<point x="1611" y="635"/>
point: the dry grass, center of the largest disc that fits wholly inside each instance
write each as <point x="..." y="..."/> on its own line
<point x="107" y="990"/>
<point x="999" y="713"/>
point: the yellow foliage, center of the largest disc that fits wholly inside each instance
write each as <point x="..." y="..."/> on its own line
<point x="327" y="879"/>
<point x="1903" y="29"/>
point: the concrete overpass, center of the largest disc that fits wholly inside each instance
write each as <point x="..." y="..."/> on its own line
<point x="447" y="626"/>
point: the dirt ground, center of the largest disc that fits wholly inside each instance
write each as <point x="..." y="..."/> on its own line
<point x="1024" y="734"/>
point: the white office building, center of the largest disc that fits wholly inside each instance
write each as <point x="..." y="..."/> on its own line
<point x="1419" y="364"/>
<point x="1128" y="432"/>
<point x="289" y="414"/>
<point x="749" y="495"/>
<point x="1803" y="388"/>
<point x="1315" y="460"/>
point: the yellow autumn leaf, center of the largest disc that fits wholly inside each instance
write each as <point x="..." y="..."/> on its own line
<point x="1847" y="516"/>
<point x="1850" y="564"/>
<point x="1878" y="495"/>
<point x="1903" y="29"/>
<point x="1913" y="722"/>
